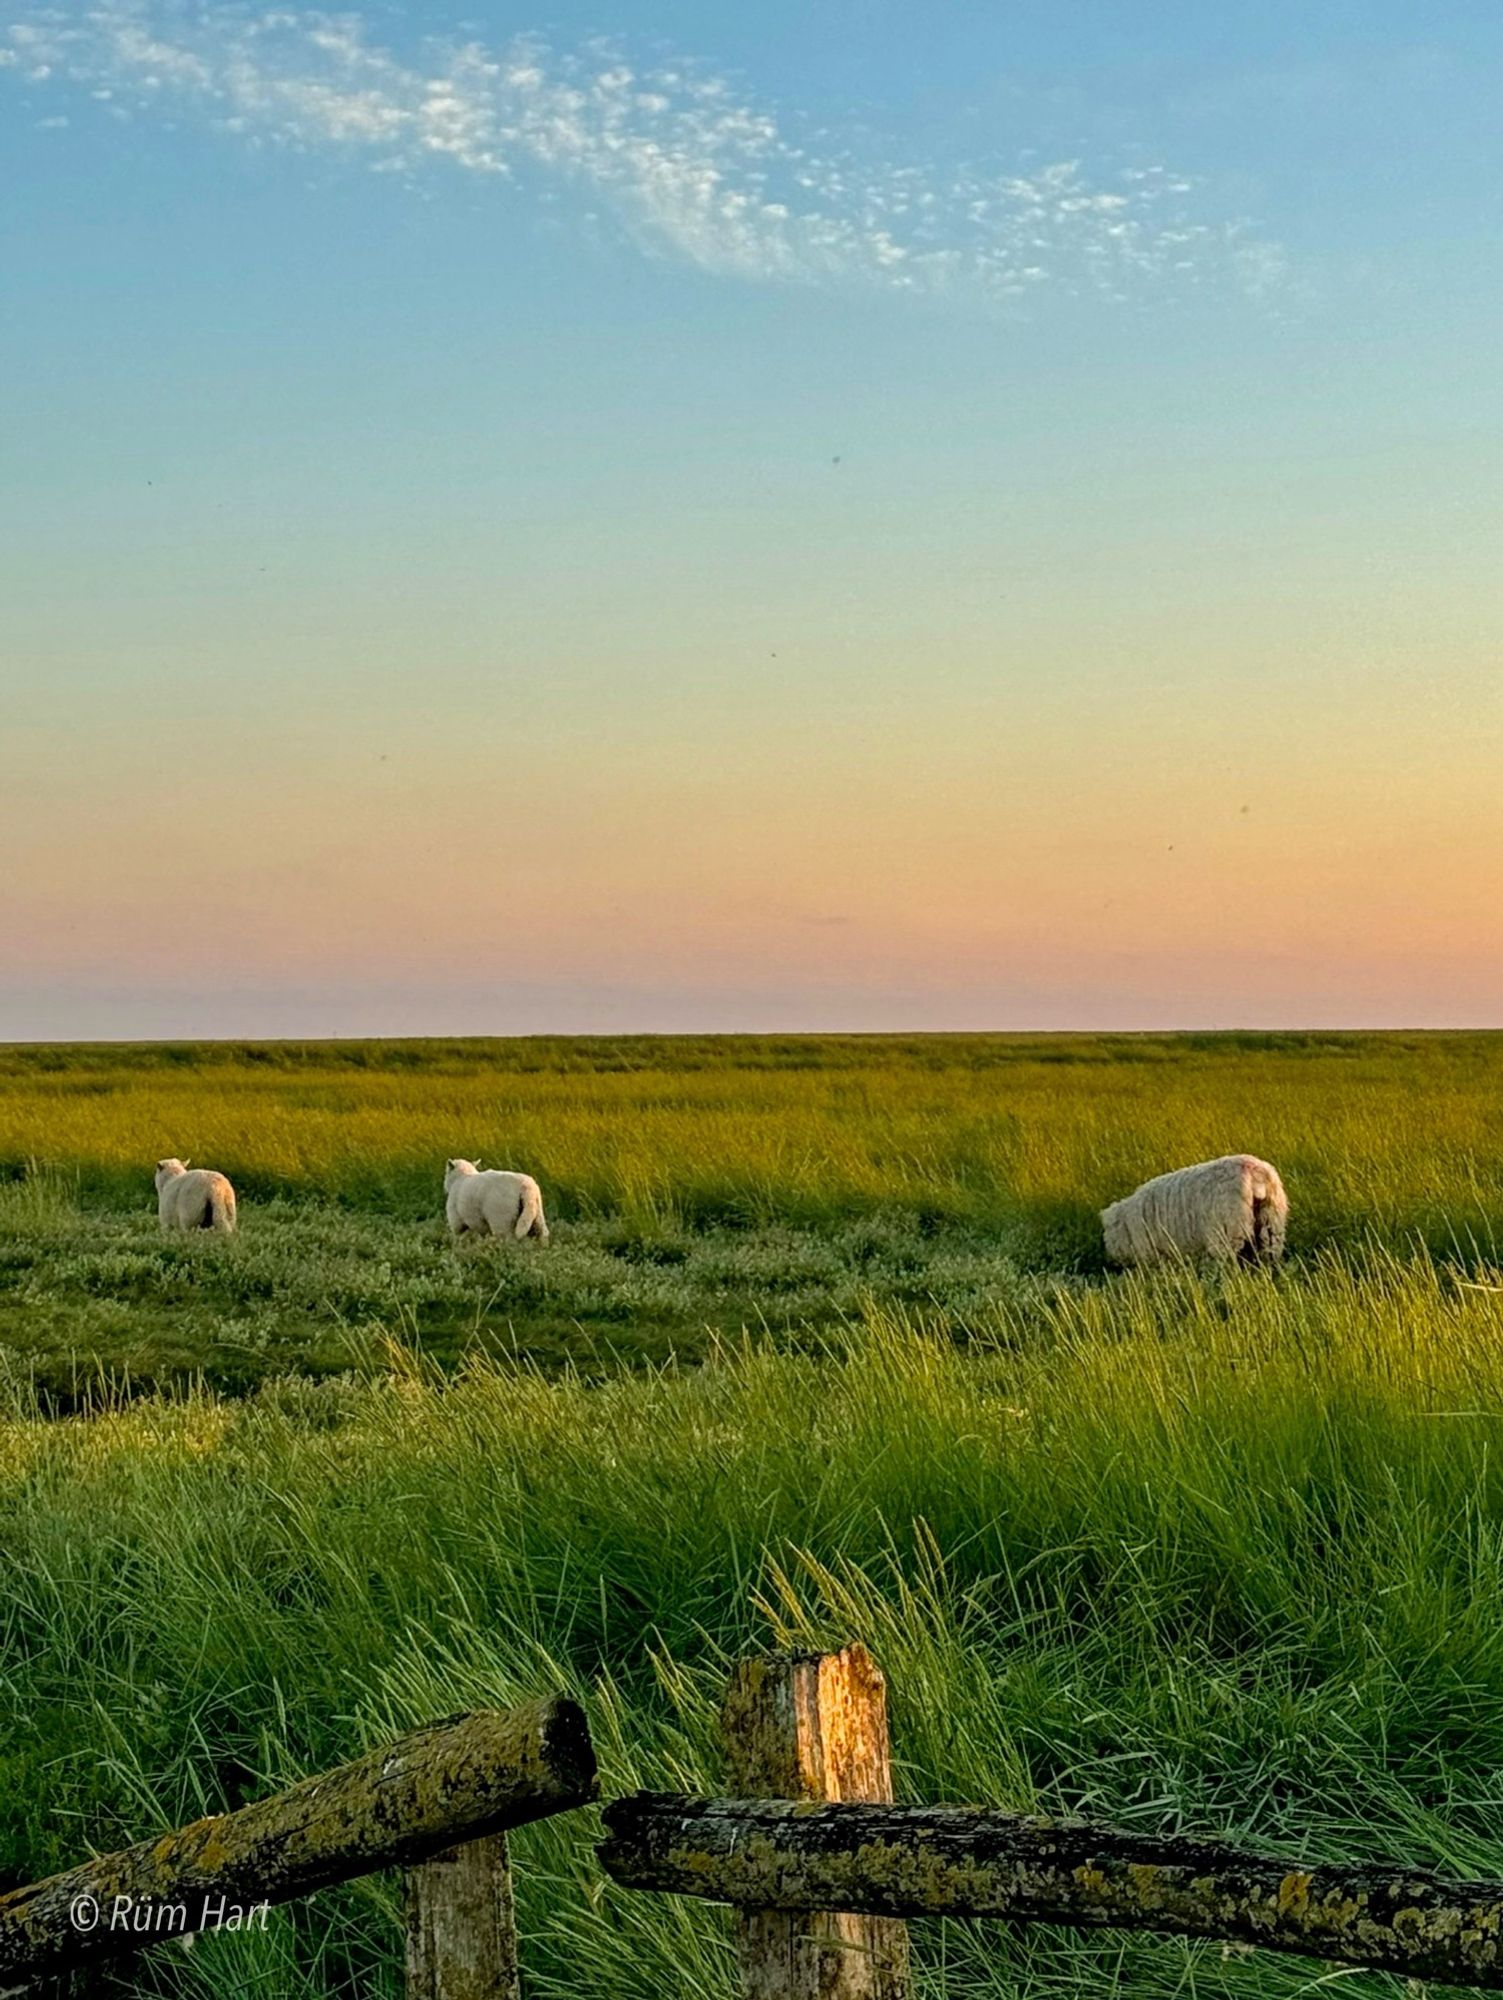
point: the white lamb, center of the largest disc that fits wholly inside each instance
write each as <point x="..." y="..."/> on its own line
<point x="1229" y="1208"/>
<point x="200" y="1199"/>
<point x="492" y="1202"/>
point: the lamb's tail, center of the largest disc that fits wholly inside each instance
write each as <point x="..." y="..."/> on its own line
<point x="220" y="1213"/>
<point x="530" y="1221"/>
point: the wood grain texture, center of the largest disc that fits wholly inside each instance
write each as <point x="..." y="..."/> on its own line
<point x="461" y="1925"/>
<point x="453" y="1781"/>
<point x="813" y="1726"/>
<point x="966" y="1861"/>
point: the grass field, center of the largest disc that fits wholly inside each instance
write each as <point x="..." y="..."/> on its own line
<point x="695" y="1187"/>
<point x="1222" y="1553"/>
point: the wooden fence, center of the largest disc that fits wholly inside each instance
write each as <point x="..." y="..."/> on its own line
<point x="437" y="1802"/>
<point x="822" y="1871"/>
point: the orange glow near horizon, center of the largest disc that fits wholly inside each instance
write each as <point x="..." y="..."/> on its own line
<point x="952" y="858"/>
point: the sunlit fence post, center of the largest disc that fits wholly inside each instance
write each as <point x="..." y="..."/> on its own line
<point x="813" y="1726"/>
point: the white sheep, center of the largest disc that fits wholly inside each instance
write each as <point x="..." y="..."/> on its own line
<point x="200" y="1199"/>
<point x="1229" y="1208"/>
<point x="492" y="1201"/>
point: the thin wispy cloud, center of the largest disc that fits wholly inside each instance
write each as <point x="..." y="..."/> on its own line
<point x="683" y="162"/>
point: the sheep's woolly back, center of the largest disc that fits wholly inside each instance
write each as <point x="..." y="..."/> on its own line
<point x="489" y="1201"/>
<point x="194" y="1198"/>
<point x="1228" y="1208"/>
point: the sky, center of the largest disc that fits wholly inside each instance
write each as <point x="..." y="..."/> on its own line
<point x="658" y="517"/>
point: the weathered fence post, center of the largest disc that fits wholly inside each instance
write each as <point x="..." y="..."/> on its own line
<point x="814" y="1726"/>
<point x="461" y="1926"/>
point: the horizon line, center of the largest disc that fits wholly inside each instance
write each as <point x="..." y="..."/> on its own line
<point x="741" y="1034"/>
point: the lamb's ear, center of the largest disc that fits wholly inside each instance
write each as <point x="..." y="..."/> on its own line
<point x="186" y="1163"/>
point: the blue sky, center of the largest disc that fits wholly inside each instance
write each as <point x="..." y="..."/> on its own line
<point x="888" y="516"/>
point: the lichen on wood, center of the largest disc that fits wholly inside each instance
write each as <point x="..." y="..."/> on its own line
<point x="813" y="1726"/>
<point x="918" y="1861"/>
<point x="453" y="1781"/>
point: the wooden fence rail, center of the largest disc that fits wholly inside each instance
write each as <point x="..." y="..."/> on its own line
<point x="455" y="1781"/>
<point x="966" y="1861"/>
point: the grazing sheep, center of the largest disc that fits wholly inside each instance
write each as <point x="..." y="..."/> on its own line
<point x="492" y="1202"/>
<point x="201" y="1199"/>
<point x="1230" y="1208"/>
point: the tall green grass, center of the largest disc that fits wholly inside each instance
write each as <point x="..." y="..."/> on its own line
<point x="1223" y="1555"/>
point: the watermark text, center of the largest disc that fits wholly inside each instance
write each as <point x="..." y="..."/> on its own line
<point x="158" y="1917"/>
